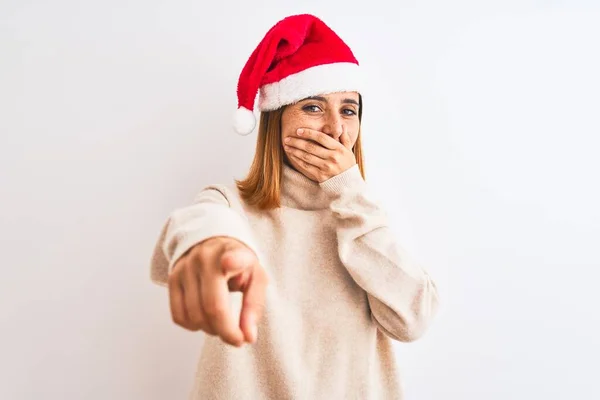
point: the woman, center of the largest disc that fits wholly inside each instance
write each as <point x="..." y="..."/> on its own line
<point x="325" y="286"/>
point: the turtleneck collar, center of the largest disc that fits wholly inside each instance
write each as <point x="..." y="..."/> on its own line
<point x="298" y="191"/>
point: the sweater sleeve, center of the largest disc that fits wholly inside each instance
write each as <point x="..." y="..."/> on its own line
<point x="213" y="213"/>
<point x="402" y="296"/>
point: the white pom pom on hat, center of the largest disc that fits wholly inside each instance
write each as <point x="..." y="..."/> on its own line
<point x="244" y="121"/>
<point x="299" y="57"/>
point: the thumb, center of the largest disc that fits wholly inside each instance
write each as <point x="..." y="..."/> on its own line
<point x="345" y="139"/>
<point x="236" y="257"/>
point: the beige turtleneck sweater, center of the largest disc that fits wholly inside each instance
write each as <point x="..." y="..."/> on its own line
<point x="341" y="288"/>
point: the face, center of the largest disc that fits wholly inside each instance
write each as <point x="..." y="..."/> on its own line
<point x="330" y="114"/>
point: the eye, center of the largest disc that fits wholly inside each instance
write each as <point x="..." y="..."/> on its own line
<point x="311" y="108"/>
<point x="348" y="111"/>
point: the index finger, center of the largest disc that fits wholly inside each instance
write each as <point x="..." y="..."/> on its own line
<point x="215" y="301"/>
<point x="253" y="305"/>
<point x="319" y="137"/>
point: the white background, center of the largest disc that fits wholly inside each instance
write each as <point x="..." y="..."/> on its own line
<point x="481" y="131"/>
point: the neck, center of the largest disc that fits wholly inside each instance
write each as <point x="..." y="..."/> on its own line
<point x="299" y="191"/>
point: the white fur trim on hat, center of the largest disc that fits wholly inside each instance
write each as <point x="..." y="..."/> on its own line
<point x="321" y="79"/>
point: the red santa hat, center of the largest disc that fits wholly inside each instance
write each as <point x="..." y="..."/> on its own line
<point x="299" y="57"/>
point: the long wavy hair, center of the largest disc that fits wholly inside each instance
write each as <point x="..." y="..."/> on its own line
<point x="261" y="187"/>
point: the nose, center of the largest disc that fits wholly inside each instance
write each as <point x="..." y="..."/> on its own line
<point x="333" y="126"/>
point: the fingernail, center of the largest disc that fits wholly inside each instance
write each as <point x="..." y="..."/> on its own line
<point x="287" y="140"/>
<point x="300" y="131"/>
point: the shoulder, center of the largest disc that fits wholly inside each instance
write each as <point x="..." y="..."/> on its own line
<point x="226" y="194"/>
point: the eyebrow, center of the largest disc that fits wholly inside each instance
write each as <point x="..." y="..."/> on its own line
<point x="323" y="99"/>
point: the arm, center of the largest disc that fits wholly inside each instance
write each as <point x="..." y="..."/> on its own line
<point x="402" y="296"/>
<point x="213" y="213"/>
